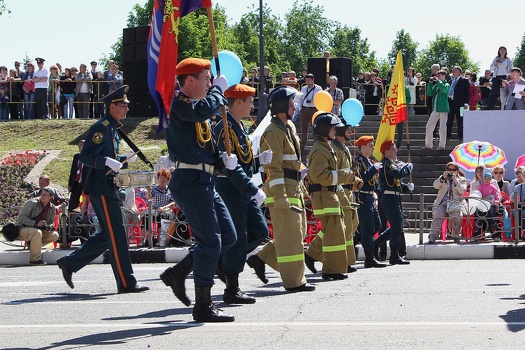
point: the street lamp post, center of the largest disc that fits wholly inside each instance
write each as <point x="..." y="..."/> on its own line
<point x="262" y="105"/>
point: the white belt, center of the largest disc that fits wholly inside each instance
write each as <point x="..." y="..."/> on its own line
<point x="201" y="166"/>
<point x="392" y="192"/>
<point x="365" y="192"/>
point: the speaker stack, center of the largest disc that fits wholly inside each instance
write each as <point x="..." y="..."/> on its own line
<point x="341" y="67"/>
<point x="135" y="71"/>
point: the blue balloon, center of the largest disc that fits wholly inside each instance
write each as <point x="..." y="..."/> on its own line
<point x="231" y="67"/>
<point x="352" y="110"/>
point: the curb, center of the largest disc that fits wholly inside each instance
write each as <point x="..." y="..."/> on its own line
<point x="174" y="255"/>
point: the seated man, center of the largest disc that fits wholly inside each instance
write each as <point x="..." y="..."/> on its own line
<point x="36" y="221"/>
<point x="160" y="197"/>
<point x="44" y="181"/>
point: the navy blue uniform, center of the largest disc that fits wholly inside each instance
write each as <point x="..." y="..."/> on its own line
<point x="102" y="142"/>
<point x="391" y="187"/>
<point x="369" y="221"/>
<point x="237" y="191"/>
<point x="190" y="144"/>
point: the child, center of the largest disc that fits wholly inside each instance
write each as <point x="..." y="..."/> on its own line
<point x="491" y="193"/>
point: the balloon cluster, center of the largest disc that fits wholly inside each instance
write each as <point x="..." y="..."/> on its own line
<point x="352" y="109"/>
<point x="475" y="203"/>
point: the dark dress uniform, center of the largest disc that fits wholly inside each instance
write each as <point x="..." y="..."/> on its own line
<point x="237" y="190"/>
<point x="194" y="151"/>
<point x="391" y="187"/>
<point x="102" y="141"/>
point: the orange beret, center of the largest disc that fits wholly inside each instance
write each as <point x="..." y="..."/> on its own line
<point x="239" y="91"/>
<point x="192" y="65"/>
<point x="364" y="140"/>
<point x="386" y="145"/>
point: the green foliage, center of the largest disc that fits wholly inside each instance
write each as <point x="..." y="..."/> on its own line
<point x="407" y="46"/>
<point x="347" y="42"/>
<point x="140" y="15"/>
<point x="447" y="51"/>
<point x="519" y="60"/>
<point x="3" y="8"/>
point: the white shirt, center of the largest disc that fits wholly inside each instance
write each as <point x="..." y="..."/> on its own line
<point x="41" y="73"/>
<point x="304" y="98"/>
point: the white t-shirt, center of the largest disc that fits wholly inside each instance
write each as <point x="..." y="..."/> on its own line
<point x="42" y="73"/>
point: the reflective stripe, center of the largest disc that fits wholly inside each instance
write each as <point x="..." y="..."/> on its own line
<point x="292" y="200"/>
<point x="334" y="248"/>
<point x="113" y="242"/>
<point x="278" y="181"/>
<point x="350" y="242"/>
<point x="290" y="258"/>
<point x="335" y="177"/>
<point x="290" y="157"/>
<point x="320" y="234"/>
<point x="327" y="211"/>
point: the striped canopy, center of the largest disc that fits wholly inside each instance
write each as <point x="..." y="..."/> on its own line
<point x="471" y="154"/>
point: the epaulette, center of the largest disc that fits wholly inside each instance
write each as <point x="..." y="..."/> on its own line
<point x="105" y="122"/>
<point x="185" y="98"/>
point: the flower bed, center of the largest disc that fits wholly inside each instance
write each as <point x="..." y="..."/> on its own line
<point x="14" y="192"/>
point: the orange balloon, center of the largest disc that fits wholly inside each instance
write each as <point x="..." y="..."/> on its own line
<point x="323" y="101"/>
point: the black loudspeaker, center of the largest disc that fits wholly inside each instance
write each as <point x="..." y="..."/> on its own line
<point x="141" y="51"/>
<point x="135" y="68"/>
<point x="128" y="52"/>
<point x="137" y="86"/>
<point x="317" y="66"/>
<point x="128" y="36"/>
<point x="141" y="34"/>
<point x="341" y="67"/>
<point x="144" y="106"/>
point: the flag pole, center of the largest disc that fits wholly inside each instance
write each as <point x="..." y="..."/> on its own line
<point x="408" y="152"/>
<point x="216" y="58"/>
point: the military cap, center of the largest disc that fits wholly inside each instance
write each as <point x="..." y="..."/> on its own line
<point x="192" y="65"/>
<point x="118" y="95"/>
<point x="39" y="60"/>
<point x="364" y="140"/>
<point x="239" y="91"/>
<point x="386" y="145"/>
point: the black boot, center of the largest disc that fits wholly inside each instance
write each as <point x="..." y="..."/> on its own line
<point x="334" y="276"/>
<point x="205" y="310"/>
<point x="175" y="276"/>
<point x="258" y="265"/>
<point x="370" y="260"/>
<point x="380" y="242"/>
<point x="395" y="259"/>
<point x="233" y="294"/>
<point x="310" y="263"/>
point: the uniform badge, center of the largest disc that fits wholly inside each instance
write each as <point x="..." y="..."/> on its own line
<point x="105" y="122"/>
<point x="97" y="138"/>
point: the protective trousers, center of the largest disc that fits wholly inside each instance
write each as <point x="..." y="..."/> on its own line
<point x="369" y="221"/>
<point x="285" y="253"/>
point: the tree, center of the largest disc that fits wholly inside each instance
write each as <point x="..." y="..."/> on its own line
<point x="347" y="42"/>
<point x="140" y="15"/>
<point x="407" y="46"/>
<point x="519" y="60"/>
<point x="3" y="7"/>
<point x="305" y="34"/>
<point x="447" y="51"/>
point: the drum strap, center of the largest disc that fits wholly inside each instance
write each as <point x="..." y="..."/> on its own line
<point x="134" y="148"/>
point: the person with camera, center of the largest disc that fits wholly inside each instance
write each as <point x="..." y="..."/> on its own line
<point x="36" y="221"/>
<point x="450" y="185"/>
<point x="501" y="66"/>
<point x="438" y="90"/>
<point x="306" y="106"/>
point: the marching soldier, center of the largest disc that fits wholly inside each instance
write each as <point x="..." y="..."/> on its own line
<point x="369" y="221"/>
<point x="193" y="149"/>
<point x="391" y="186"/>
<point x="324" y="178"/>
<point x="100" y="154"/>
<point x="242" y="197"/>
<point x="285" y="253"/>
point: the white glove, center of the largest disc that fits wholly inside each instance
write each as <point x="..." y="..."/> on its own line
<point x="221" y="82"/>
<point x="114" y="164"/>
<point x="266" y="157"/>
<point x="410" y="166"/>
<point x="378" y="165"/>
<point x="260" y="196"/>
<point x="131" y="157"/>
<point x="410" y="186"/>
<point x="230" y="161"/>
<point x="303" y="173"/>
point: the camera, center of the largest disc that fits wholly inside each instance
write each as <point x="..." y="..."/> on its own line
<point x="308" y="101"/>
<point x="450" y="174"/>
<point x="46" y="227"/>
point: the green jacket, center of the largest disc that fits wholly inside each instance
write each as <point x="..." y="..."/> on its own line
<point x="439" y="93"/>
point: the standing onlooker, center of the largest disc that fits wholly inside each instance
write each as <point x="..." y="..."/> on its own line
<point x="485" y="85"/>
<point x="438" y="91"/>
<point x="475" y="93"/>
<point x="16" y="94"/>
<point x="67" y="85"/>
<point x="459" y="96"/>
<point x="74" y="71"/>
<point x="302" y="80"/>
<point x="411" y="83"/>
<point x="373" y="95"/>
<point x="307" y="107"/>
<point x="29" y="91"/>
<point x="53" y="88"/>
<point x="83" y="90"/>
<point x="41" y="79"/>
<point x="114" y="78"/>
<point x="432" y="80"/>
<point x="93" y="72"/>
<point x="268" y="80"/>
<point x="501" y="66"/>
<point x="100" y="154"/>
<point x="337" y="95"/>
<point x="515" y="100"/>
<point x="4" y="99"/>
<point x="77" y="177"/>
<point x="100" y="89"/>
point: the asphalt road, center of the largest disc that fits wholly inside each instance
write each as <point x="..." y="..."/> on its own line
<point x="427" y="305"/>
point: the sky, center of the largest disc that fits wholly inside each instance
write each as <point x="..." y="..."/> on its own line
<point x="40" y="29"/>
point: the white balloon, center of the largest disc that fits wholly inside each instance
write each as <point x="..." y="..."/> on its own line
<point x="483" y="205"/>
<point x="476" y="194"/>
<point x="468" y="208"/>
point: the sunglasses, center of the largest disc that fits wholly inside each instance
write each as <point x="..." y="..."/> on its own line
<point x="497" y="172"/>
<point x="518" y="172"/>
<point x="452" y="169"/>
